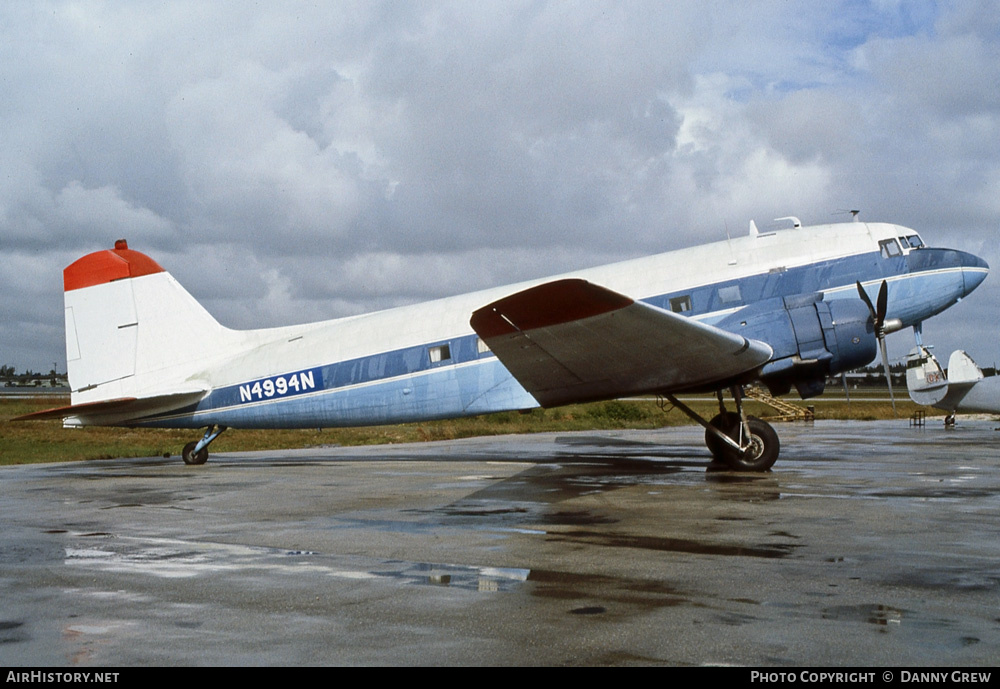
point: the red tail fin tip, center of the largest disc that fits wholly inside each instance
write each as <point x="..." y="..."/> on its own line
<point x="107" y="266"/>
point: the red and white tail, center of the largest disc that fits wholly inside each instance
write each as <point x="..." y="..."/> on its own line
<point x="132" y="331"/>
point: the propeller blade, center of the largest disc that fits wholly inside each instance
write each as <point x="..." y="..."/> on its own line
<point x="866" y="300"/>
<point x="843" y="379"/>
<point x="883" y="301"/>
<point x="878" y="321"/>
<point x="888" y="374"/>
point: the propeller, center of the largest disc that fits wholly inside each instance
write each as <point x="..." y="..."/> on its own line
<point x="878" y="322"/>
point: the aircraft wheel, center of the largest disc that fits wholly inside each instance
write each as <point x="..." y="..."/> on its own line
<point x="762" y="452"/>
<point x="192" y="457"/>
<point x="725" y="422"/>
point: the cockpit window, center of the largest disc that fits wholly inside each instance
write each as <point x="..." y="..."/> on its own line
<point x="890" y="248"/>
<point x="913" y="241"/>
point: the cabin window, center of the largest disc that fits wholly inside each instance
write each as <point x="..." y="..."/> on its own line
<point x="729" y="295"/>
<point x="890" y="248"/>
<point x="680" y="304"/>
<point x="481" y="347"/>
<point x="914" y="241"/>
<point x="439" y="353"/>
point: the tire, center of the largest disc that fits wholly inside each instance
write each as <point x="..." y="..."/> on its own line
<point x="725" y="422"/>
<point x="194" y="458"/>
<point x="763" y="450"/>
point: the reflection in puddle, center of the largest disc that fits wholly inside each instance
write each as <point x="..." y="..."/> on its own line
<point x="932" y="632"/>
<point x="675" y="545"/>
<point x="483" y="579"/>
<point x="589" y="610"/>
<point x="163" y="558"/>
<point x="11" y="631"/>
<point x="745" y="487"/>
<point x="645" y="593"/>
<point x="880" y="615"/>
<point x="577" y="518"/>
<point x="500" y="515"/>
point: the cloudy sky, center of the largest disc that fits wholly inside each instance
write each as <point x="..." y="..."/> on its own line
<point x="292" y="161"/>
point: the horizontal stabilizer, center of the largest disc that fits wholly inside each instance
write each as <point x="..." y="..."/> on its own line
<point x="573" y="341"/>
<point x="925" y="380"/>
<point x="119" y="411"/>
<point x="963" y="388"/>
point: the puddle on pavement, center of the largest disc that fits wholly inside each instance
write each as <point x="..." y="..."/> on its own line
<point x="11" y="632"/>
<point x="460" y="510"/>
<point x="483" y="579"/>
<point x="933" y="632"/>
<point x="165" y="558"/>
<point x="578" y="518"/>
<point x="674" y="545"/>
<point x="589" y="610"/>
<point x="956" y="578"/>
<point x="878" y="615"/>
<point x="594" y="594"/>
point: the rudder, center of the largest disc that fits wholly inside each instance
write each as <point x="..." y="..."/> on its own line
<point x="129" y="323"/>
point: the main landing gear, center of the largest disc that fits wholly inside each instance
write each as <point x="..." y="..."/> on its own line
<point x="744" y="443"/>
<point x="196" y="451"/>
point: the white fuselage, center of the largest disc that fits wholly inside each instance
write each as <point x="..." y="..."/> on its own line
<point x="424" y="361"/>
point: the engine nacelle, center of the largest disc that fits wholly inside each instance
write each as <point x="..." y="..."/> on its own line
<point x="811" y="338"/>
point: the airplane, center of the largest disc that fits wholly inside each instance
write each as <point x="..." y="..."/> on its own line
<point x="783" y="308"/>
<point x="963" y="388"/>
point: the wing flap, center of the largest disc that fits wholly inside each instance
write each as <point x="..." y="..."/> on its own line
<point x="573" y="341"/>
<point x="117" y="411"/>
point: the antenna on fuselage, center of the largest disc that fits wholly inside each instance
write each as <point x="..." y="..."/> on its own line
<point x="796" y="223"/>
<point x="854" y="213"/>
<point x="729" y="243"/>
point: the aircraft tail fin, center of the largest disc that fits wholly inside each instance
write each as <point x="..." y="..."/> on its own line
<point x="925" y="380"/>
<point x="962" y="369"/>
<point x="132" y="331"/>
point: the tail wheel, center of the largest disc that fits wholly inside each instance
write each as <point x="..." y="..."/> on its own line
<point x="192" y="457"/>
<point x="762" y="449"/>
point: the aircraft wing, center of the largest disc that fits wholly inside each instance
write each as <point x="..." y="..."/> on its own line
<point x="573" y="341"/>
<point x="118" y="411"/>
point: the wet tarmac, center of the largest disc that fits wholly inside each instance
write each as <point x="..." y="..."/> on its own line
<point x="870" y="544"/>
